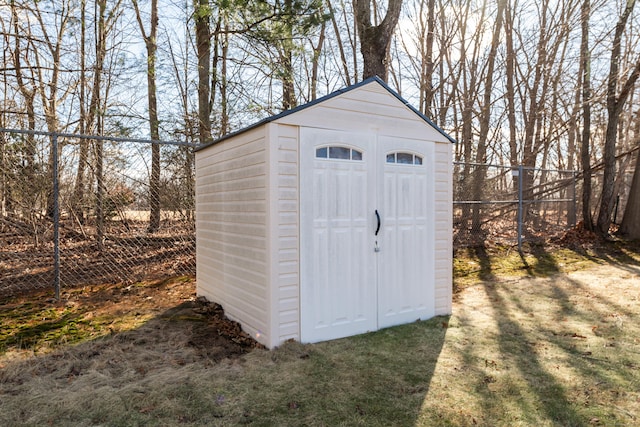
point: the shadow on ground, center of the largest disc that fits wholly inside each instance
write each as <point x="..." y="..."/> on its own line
<point x="190" y="365"/>
<point x="570" y="325"/>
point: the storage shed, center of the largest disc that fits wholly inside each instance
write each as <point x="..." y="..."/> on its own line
<point x="328" y="220"/>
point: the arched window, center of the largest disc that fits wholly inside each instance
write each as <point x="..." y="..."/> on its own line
<point x="404" y="158"/>
<point x="338" y="152"/>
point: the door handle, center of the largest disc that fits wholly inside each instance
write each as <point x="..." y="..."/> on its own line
<point x="378" y="217"/>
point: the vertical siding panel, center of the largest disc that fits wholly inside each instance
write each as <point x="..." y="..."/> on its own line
<point x="287" y="304"/>
<point x="443" y="238"/>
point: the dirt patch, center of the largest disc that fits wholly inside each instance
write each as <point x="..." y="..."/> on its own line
<point x="211" y="333"/>
<point x="142" y="320"/>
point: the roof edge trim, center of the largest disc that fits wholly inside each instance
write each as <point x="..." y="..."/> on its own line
<point x="325" y="98"/>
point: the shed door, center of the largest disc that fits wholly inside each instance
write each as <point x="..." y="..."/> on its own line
<point x="337" y="271"/>
<point x="405" y="241"/>
<point x="352" y="279"/>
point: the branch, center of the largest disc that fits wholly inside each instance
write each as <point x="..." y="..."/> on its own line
<point x="628" y="86"/>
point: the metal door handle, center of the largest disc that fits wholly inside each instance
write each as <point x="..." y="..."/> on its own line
<point x="378" y="217"/>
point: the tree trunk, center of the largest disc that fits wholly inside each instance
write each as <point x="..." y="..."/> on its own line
<point x="585" y="58"/>
<point x="531" y="118"/>
<point x="375" y="40"/>
<point x="485" y="119"/>
<point x="343" y="56"/>
<point x="630" y="226"/>
<point x="202" y="16"/>
<point x="429" y="64"/>
<point x="77" y="202"/>
<point x="224" y="96"/>
<point x="317" y="50"/>
<point x="150" y="41"/>
<point x="615" y="103"/>
<point x="29" y="97"/>
<point x="286" y="59"/>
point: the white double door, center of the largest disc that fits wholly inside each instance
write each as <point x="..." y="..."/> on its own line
<point x="366" y="233"/>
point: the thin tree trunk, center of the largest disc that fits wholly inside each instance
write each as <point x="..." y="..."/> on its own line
<point x="98" y="116"/>
<point x="29" y="97"/>
<point x="529" y="153"/>
<point x="286" y="60"/>
<point x="202" y="16"/>
<point x="78" y="192"/>
<point x="49" y="90"/>
<point x="317" y="51"/>
<point x="427" y="78"/>
<point x="224" y="100"/>
<point x="343" y="57"/>
<point x="485" y="118"/>
<point x="585" y="156"/>
<point x="150" y="41"/>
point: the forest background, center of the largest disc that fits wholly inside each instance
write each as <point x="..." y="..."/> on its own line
<point x="545" y="84"/>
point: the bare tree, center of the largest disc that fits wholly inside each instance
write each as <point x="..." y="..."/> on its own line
<point x="422" y="63"/>
<point x="510" y="68"/>
<point x="151" y="44"/>
<point x="315" y="61"/>
<point x="485" y="115"/>
<point x="202" y="17"/>
<point x="343" y="56"/>
<point x="28" y="91"/>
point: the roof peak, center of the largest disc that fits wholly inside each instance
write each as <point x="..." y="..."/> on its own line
<point x="326" y="98"/>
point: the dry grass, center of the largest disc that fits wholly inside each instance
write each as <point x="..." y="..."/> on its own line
<point x="531" y="345"/>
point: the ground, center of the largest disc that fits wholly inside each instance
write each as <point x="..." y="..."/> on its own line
<point x="551" y="342"/>
<point x="148" y="313"/>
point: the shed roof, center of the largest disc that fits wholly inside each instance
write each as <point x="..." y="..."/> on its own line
<point x="285" y="113"/>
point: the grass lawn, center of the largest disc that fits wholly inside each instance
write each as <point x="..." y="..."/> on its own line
<point x="550" y="337"/>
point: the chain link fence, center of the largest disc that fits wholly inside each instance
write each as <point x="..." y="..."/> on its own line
<point x="511" y="204"/>
<point x="82" y="211"/>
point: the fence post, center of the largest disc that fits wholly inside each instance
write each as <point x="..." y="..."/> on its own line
<point x="520" y="171"/>
<point x="56" y="218"/>
<point x="574" y="213"/>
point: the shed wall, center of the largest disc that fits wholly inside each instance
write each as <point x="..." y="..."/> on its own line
<point x="443" y="214"/>
<point x="231" y="224"/>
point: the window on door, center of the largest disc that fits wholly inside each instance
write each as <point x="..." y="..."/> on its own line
<point x="338" y="152"/>
<point x="404" y="158"/>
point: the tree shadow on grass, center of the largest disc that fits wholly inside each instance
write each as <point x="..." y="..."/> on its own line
<point x="544" y="263"/>
<point x="549" y="393"/>
<point x="621" y="253"/>
<point x="550" y="397"/>
<point x="521" y="345"/>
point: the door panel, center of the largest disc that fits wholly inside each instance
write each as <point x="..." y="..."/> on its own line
<point x="405" y="260"/>
<point x="338" y="291"/>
